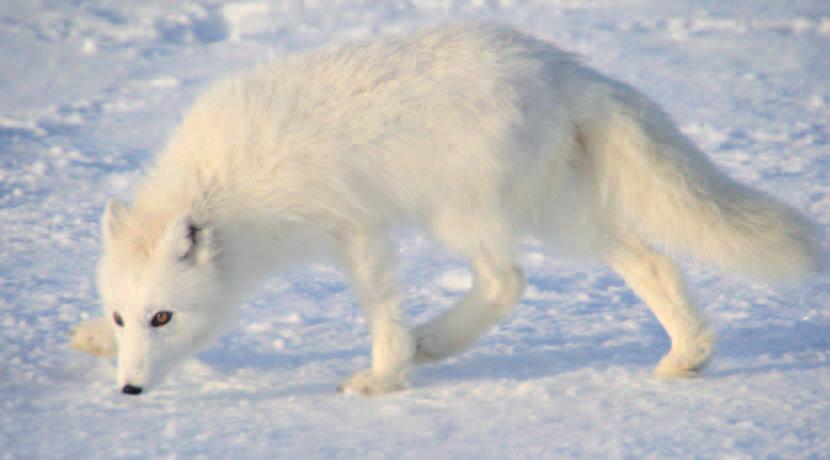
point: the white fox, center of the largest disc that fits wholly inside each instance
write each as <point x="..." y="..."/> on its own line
<point x="477" y="134"/>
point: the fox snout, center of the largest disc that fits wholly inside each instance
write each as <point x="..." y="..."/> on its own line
<point x="131" y="390"/>
<point x="136" y="368"/>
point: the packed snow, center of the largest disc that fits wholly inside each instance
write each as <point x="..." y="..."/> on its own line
<point x="89" y="90"/>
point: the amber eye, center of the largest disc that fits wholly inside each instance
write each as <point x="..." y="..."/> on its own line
<point x="161" y="318"/>
<point x="117" y="318"/>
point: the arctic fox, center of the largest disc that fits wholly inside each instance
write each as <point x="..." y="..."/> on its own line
<point x="477" y="134"/>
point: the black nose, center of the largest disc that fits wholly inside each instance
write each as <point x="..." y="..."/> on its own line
<point x="131" y="390"/>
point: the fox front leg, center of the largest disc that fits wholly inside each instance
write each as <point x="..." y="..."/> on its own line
<point x="369" y="260"/>
<point x="94" y="336"/>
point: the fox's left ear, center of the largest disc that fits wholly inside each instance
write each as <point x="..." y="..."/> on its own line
<point x="113" y="221"/>
<point x="192" y="242"/>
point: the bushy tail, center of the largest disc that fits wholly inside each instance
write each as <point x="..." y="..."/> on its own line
<point x="662" y="187"/>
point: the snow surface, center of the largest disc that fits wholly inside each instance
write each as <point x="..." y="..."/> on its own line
<point x="89" y="89"/>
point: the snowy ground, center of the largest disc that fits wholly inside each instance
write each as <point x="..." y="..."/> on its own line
<point x="89" y="89"/>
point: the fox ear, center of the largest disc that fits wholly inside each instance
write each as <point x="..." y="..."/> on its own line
<point x="113" y="219"/>
<point x="192" y="242"/>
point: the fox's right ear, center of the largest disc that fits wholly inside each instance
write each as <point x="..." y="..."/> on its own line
<point x="113" y="220"/>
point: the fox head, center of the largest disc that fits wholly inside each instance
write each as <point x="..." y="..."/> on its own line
<point x="160" y="282"/>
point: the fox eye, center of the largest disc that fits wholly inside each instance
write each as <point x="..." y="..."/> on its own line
<point x="161" y="318"/>
<point x="117" y="318"/>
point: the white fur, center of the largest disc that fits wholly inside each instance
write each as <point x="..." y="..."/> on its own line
<point x="477" y="134"/>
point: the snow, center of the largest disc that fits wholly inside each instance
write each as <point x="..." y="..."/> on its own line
<point x="88" y="90"/>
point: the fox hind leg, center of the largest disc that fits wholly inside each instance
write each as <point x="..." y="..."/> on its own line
<point x="657" y="281"/>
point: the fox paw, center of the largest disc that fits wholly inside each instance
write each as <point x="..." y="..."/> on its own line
<point x="94" y="337"/>
<point x="689" y="360"/>
<point x="368" y="383"/>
